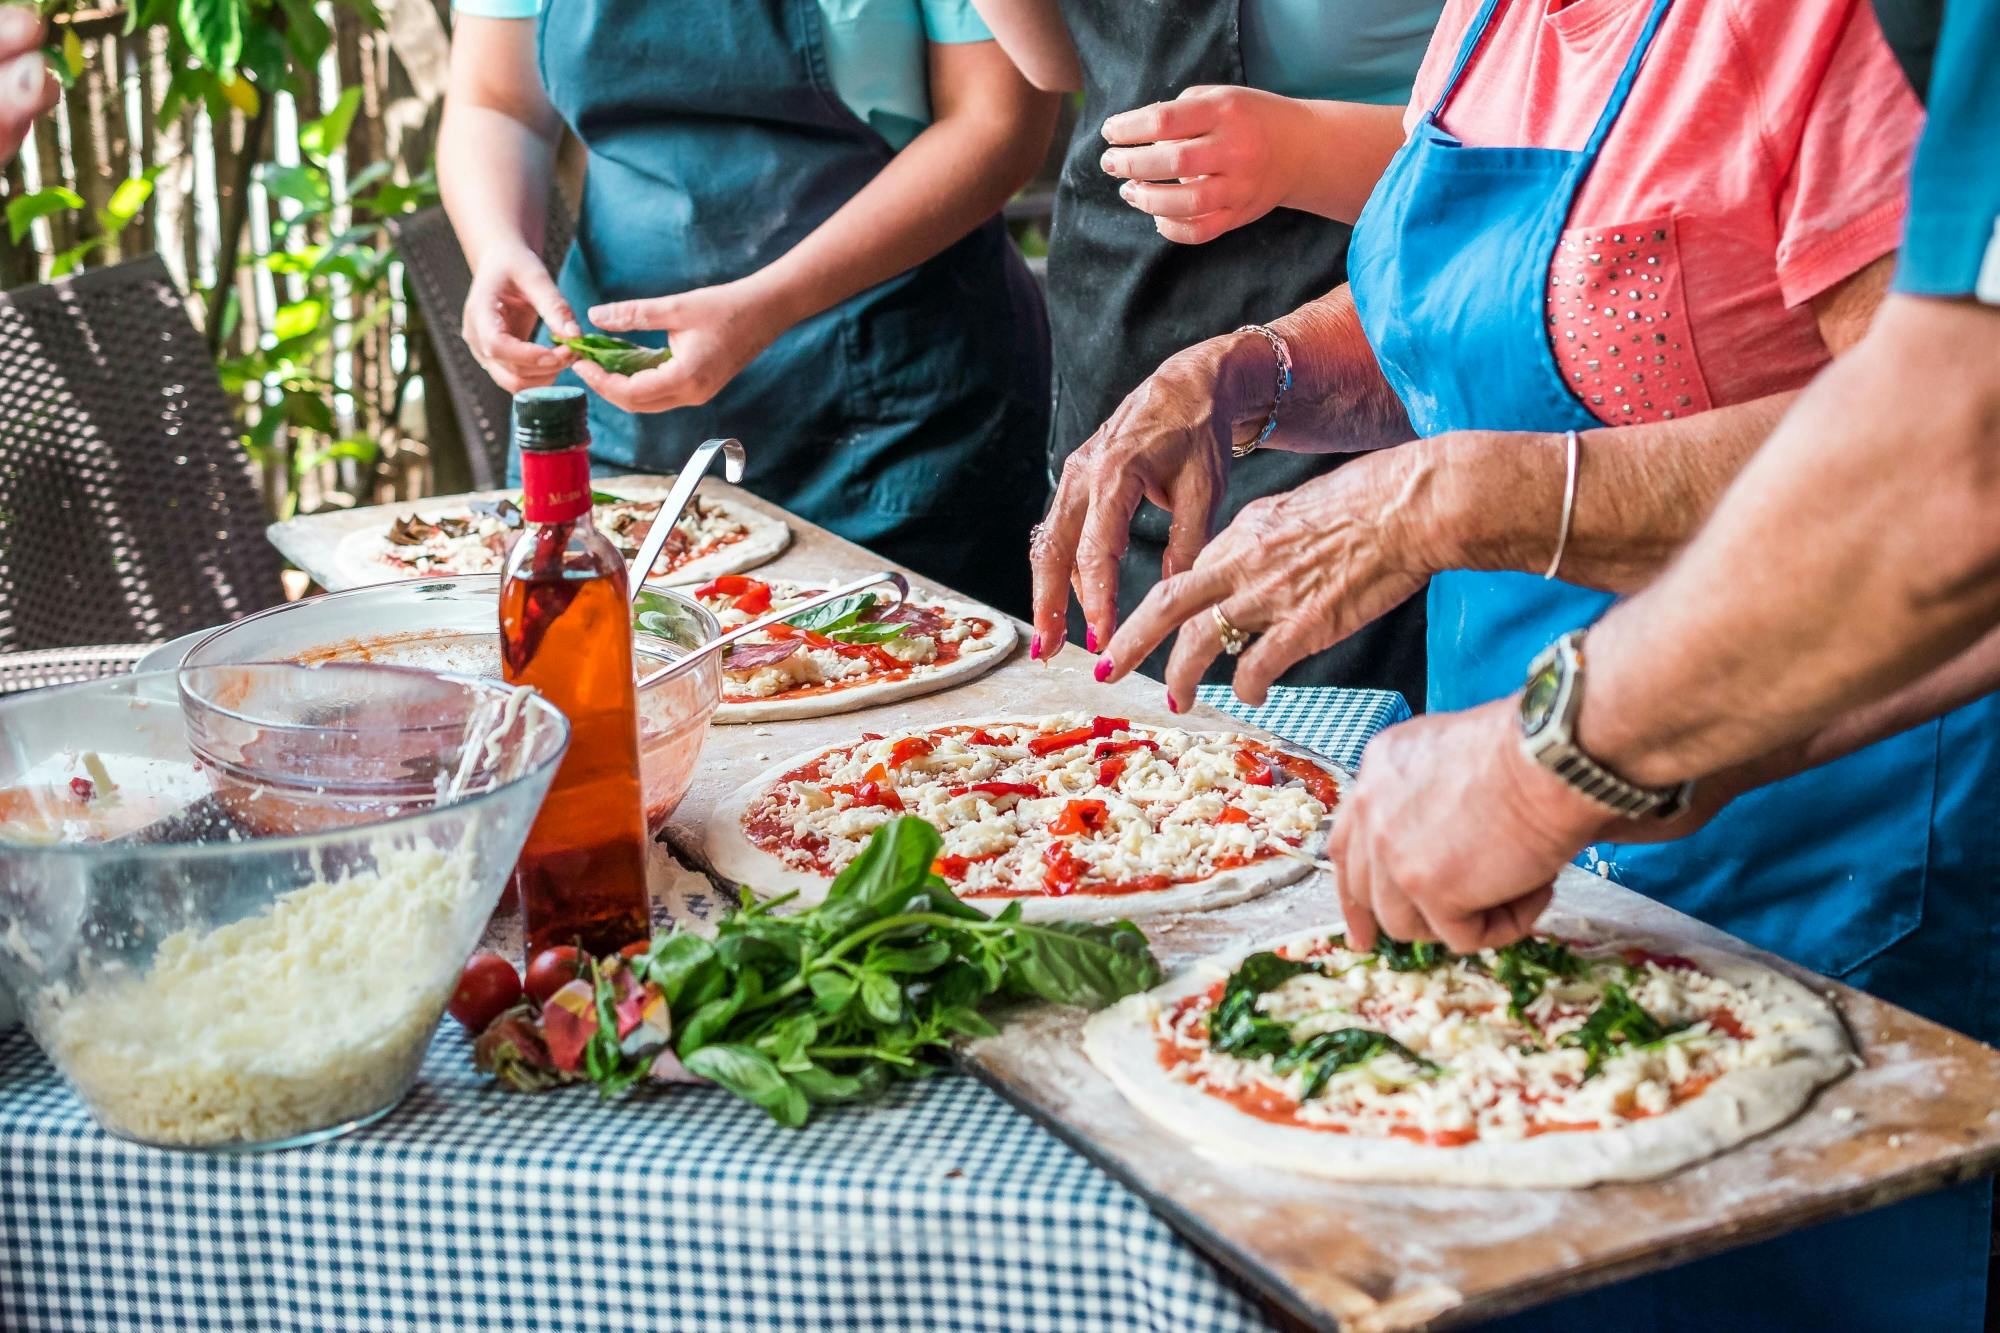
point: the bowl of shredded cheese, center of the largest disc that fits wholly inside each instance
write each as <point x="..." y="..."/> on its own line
<point x="210" y="957"/>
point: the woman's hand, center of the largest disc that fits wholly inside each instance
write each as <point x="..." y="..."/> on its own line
<point x="27" y="89"/>
<point x="1302" y="570"/>
<point x="1168" y="442"/>
<point x="714" y="332"/>
<point x="512" y="292"/>
<point x="1231" y="153"/>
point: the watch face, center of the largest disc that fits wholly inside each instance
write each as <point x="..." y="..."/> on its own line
<point x="1538" y="699"/>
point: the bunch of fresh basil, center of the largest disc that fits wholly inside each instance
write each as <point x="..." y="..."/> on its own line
<point x="835" y="1003"/>
<point x="616" y="354"/>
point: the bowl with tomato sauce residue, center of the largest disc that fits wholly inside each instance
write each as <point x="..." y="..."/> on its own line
<point x="452" y="625"/>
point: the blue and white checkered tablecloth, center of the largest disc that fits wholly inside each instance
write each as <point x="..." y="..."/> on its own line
<point x="470" y="1208"/>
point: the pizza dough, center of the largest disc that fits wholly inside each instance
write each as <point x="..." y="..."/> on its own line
<point x="1182" y="814"/>
<point x="1756" y="1047"/>
<point x="364" y="557"/>
<point x="944" y="643"/>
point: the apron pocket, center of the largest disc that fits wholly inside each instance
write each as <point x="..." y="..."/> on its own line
<point x="1618" y="323"/>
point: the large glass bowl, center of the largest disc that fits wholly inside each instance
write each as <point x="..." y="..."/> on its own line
<point x="242" y="933"/>
<point x="451" y="624"/>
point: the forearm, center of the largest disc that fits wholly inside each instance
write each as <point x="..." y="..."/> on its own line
<point x="953" y="176"/>
<point x="1641" y="492"/>
<point x="1856" y="552"/>
<point x="497" y="140"/>
<point x="1340" y="149"/>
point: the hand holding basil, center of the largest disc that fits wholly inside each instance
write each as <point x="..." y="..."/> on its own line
<point x="616" y="355"/>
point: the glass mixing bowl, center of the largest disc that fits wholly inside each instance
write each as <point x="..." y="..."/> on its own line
<point x="451" y="624"/>
<point x="234" y="902"/>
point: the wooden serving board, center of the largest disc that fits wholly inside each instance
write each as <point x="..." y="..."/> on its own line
<point x="1922" y="1113"/>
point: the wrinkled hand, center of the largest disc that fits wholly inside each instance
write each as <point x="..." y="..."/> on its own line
<point x="511" y="293"/>
<point x="1452" y="833"/>
<point x="27" y="89"/>
<point x="1302" y="570"/>
<point x="1213" y="159"/>
<point x="1168" y="442"/>
<point x="714" y="332"/>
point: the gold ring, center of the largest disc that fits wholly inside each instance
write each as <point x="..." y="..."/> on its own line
<point x="1233" y="639"/>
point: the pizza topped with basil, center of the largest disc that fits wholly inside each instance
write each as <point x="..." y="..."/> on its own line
<point x="1073" y="815"/>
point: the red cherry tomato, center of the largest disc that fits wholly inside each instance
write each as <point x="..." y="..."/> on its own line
<point x="488" y="988"/>
<point x="552" y="969"/>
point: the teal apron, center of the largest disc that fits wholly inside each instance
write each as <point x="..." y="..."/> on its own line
<point x="909" y="418"/>
<point x="1880" y="869"/>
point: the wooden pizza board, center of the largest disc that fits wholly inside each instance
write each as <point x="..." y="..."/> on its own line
<point x="1922" y="1113"/>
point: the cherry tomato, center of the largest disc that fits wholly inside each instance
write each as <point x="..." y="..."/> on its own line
<point x="488" y="988"/>
<point x="551" y="969"/>
<point x="635" y="948"/>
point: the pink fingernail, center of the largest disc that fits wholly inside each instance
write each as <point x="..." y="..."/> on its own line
<point x="1103" y="671"/>
<point x="1173" y="705"/>
<point x="1035" y="648"/>
<point x="1090" y="638"/>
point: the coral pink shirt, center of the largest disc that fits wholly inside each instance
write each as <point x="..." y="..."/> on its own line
<point x="1763" y="158"/>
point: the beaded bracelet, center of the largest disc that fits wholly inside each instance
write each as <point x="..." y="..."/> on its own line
<point x="1284" y="355"/>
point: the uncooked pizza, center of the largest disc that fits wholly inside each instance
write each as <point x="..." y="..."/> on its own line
<point x="1072" y="815"/>
<point x="713" y="537"/>
<point x="853" y="653"/>
<point x="1560" y="1061"/>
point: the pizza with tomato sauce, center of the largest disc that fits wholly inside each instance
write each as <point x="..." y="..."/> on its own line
<point x="1074" y="816"/>
<point x="857" y="652"/>
<point x="1561" y="1061"/>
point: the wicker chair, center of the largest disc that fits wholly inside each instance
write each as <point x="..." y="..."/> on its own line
<point x="439" y="275"/>
<point x="67" y="666"/>
<point x="128" y="509"/>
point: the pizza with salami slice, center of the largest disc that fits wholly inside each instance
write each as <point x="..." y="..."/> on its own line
<point x="1072" y="816"/>
<point x="854" y="653"/>
<point x="714" y="536"/>
<point x="1563" y="1060"/>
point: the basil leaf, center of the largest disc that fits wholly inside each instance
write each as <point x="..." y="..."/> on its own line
<point x="754" y="1078"/>
<point x="835" y="614"/>
<point x="827" y="1088"/>
<point x="664" y="618"/>
<point x="869" y="632"/>
<point x="616" y="355"/>
<point x="1420" y="956"/>
<point x="673" y="961"/>
<point x="925" y="957"/>
<point x="892" y="870"/>
<point x="882" y="998"/>
<point x="1527" y="966"/>
<point x="832" y="991"/>
<point x="1619" y="1020"/>
<point x="1328" y="1053"/>
<point x="1081" y="962"/>
<point x="709" y="1020"/>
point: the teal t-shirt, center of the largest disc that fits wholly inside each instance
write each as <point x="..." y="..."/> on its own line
<point x="875" y="52"/>
<point x="1338" y="50"/>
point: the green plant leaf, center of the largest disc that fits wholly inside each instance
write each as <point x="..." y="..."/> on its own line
<point x="213" y="31"/>
<point x="69" y="260"/>
<point x="305" y="31"/>
<point x="358" y="448"/>
<point x="616" y="354"/>
<point x="320" y="139"/>
<point x="24" y="211"/>
<point x="672" y="962"/>
<point x="126" y="201"/>
<point x="298" y="318"/>
<point x="753" y="1077"/>
<point x="302" y="183"/>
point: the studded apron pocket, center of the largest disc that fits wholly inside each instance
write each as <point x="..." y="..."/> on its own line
<point x="1618" y="323"/>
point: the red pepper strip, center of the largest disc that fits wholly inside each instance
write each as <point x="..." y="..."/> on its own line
<point x="1255" y="771"/>
<point x="813" y="638"/>
<point x="908" y="748"/>
<point x="1062" y="740"/>
<point x="1080" y="818"/>
<point x="981" y="736"/>
<point x="876" y="773"/>
<point x="1061" y="871"/>
<point x="728" y="585"/>
<point x="756" y="601"/>
<point x="1105" y="749"/>
<point x="996" y="789"/>
<point x="869" y="793"/>
<point x="871" y="735"/>
<point x="1233" y="814"/>
<point x="881" y="658"/>
<point x="954" y="867"/>
<point x="1109" y="771"/>
<point x="1108" y="726"/>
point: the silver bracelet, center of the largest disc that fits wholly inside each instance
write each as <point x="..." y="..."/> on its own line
<point x="1571" y="447"/>
<point x="1284" y="355"/>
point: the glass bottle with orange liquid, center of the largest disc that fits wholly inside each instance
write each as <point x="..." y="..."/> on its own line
<point x="566" y="630"/>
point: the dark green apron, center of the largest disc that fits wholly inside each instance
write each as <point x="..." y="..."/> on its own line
<point x="908" y="418"/>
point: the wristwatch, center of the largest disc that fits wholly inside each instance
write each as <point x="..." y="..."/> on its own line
<point x="1549" y="705"/>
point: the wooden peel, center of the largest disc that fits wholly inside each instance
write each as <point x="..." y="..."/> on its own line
<point x="678" y="500"/>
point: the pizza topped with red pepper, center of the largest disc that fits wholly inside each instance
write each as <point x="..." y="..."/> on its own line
<point x="1074" y="815"/>
<point x="852" y="653"/>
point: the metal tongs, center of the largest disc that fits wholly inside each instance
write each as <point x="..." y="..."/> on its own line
<point x="895" y="580"/>
<point x="677" y="502"/>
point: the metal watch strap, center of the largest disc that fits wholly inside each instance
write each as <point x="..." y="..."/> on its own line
<point x="1554" y="747"/>
<point x="1284" y="355"/>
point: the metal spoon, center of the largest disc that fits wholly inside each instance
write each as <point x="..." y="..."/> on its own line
<point x="677" y="501"/>
<point x="897" y="581"/>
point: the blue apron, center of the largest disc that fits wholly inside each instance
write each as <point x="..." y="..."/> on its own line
<point x="1881" y="869"/>
<point x="911" y="417"/>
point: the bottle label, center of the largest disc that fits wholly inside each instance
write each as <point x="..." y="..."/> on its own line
<point x="555" y="486"/>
